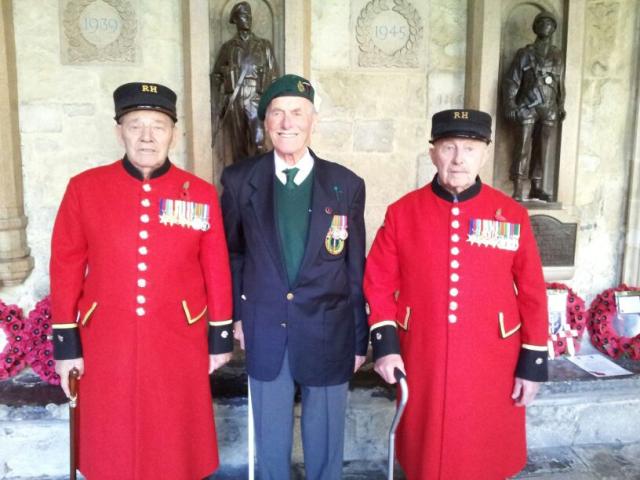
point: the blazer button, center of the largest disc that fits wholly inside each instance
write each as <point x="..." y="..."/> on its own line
<point x="289" y="296"/>
<point x="283" y="324"/>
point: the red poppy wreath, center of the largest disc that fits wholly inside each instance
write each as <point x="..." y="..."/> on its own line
<point x="39" y="352"/>
<point x="12" y="337"/>
<point x="604" y="336"/>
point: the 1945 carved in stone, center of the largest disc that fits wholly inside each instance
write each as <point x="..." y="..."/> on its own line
<point x="244" y="68"/>
<point x="533" y="97"/>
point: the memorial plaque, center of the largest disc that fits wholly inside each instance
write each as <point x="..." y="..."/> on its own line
<point x="389" y="34"/>
<point x="556" y="240"/>
<point x="98" y="31"/>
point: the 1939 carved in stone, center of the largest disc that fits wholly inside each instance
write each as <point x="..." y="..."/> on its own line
<point x="244" y="68"/>
<point x="533" y="98"/>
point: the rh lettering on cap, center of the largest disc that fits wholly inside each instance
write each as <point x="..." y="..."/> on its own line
<point x="463" y="115"/>
<point x="150" y="88"/>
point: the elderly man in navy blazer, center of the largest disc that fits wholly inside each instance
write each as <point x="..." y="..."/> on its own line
<point x="296" y="238"/>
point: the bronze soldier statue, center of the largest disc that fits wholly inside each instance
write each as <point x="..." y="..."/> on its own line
<point x="533" y="97"/>
<point x="245" y="67"/>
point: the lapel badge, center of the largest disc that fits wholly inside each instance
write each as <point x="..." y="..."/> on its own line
<point x="185" y="190"/>
<point x="337" y="235"/>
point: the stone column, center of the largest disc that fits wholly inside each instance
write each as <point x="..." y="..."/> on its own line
<point x="631" y="264"/>
<point x="197" y="95"/>
<point x="15" y="262"/>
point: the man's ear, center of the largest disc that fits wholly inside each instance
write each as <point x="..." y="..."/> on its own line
<point x="431" y="153"/>
<point x="118" y="131"/>
<point x="174" y="136"/>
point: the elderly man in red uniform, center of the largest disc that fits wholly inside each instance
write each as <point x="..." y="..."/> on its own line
<point x="455" y="287"/>
<point x="141" y="294"/>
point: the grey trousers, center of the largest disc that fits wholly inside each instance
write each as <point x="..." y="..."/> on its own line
<point x="323" y="418"/>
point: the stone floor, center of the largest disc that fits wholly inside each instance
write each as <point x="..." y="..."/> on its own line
<point x="593" y="462"/>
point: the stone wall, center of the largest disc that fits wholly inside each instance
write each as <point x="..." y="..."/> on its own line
<point x="375" y="112"/>
<point x="609" y="110"/>
<point x="66" y="112"/>
<point x="375" y="109"/>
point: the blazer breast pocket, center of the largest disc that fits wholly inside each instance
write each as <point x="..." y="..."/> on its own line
<point x="335" y="240"/>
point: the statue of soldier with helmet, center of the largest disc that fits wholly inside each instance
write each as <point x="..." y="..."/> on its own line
<point x="244" y="68"/>
<point x="533" y="98"/>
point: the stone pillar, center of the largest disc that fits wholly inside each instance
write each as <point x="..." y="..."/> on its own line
<point x="631" y="264"/>
<point x="197" y="95"/>
<point x="15" y="262"/>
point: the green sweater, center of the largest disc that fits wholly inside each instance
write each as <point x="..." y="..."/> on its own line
<point x="292" y="207"/>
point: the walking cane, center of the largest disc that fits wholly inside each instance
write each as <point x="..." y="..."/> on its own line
<point x="73" y="403"/>
<point x="404" y="397"/>
<point x="250" y="433"/>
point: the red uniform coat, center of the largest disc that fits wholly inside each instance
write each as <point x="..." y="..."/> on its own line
<point x="461" y="326"/>
<point x="141" y="290"/>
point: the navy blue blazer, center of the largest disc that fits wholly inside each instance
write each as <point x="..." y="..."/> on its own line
<point x="321" y="318"/>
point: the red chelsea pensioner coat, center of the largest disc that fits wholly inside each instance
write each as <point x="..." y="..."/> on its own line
<point x="141" y="291"/>
<point x="463" y="328"/>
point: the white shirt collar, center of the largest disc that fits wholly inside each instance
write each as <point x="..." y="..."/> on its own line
<point x="305" y="164"/>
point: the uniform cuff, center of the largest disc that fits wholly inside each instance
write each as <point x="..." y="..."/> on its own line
<point x="384" y="340"/>
<point x="66" y="342"/>
<point x="532" y="364"/>
<point x="220" y="337"/>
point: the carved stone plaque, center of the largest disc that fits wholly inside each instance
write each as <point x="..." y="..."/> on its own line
<point x="389" y="33"/>
<point x="556" y="240"/>
<point x="102" y="31"/>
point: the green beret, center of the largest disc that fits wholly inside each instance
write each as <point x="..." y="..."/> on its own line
<point x="144" y="96"/>
<point x="461" y="123"/>
<point x="285" y="86"/>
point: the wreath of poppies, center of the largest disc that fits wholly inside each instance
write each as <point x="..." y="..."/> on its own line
<point x="28" y="341"/>
<point x="603" y="334"/>
<point x="568" y="341"/>
<point x="11" y="328"/>
<point x="39" y="352"/>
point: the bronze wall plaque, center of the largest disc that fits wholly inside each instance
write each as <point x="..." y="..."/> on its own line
<point x="556" y="240"/>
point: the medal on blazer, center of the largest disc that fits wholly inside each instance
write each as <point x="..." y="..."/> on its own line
<point x="337" y="235"/>
<point x="185" y="214"/>
<point x="493" y="233"/>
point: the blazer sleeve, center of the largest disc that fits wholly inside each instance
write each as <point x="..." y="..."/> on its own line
<point x="532" y="306"/>
<point x="214" y="260"/>
<point x="67" y="268"/>
<point x="235" y="237"/>
<point x="355" y="261"/>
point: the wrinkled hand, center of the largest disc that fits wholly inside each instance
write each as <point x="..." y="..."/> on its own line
<point x="524" y="391"/>
<point x="218" y="360"/>
<point x="387" y="364"/>
<point x="360" y="359"/>
<point x="238" y="333"/>
<point x="63" y="367"/>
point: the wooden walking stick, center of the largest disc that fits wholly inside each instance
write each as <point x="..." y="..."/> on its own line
<point x="73" y="403"/>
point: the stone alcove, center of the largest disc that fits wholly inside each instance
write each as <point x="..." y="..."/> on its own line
<point x="200" y="47"/>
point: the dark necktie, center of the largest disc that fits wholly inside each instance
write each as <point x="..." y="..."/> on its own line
<point x="291" y="174"/>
